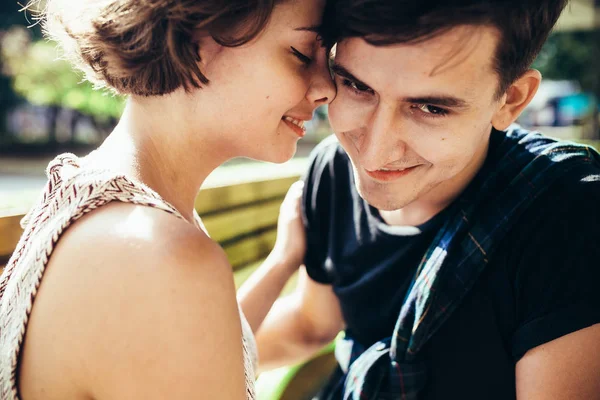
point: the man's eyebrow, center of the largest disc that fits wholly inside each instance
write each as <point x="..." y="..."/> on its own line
<point x="340" y="70"/>
<point x="435" y="100"/>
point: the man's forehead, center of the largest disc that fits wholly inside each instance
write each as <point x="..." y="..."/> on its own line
<point x="461" y="56"/>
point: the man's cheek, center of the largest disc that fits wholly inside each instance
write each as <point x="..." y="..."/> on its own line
<point x="448" y="167"/>
<point x="345" y="116"/>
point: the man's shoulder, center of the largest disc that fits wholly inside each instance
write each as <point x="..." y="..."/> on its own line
<point x="330" y="142"/>
<point x="328" y="181"/>
<point x="328" y="151"/>
<point x="519" y="140"/>
<point x="328" y="163"/>
<point x="563" y="213"/>
<point x="561" y="221"/>
<point x="574" y="195"/>
<point x="549" y="262"/>
<point x="557" y="172"/>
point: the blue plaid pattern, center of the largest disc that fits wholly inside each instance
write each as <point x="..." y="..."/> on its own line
<point x="528" y="163"/>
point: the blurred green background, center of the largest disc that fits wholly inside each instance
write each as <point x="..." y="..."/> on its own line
<point x="46" y="108"/>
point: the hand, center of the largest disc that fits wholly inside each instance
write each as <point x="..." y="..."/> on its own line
<point x="290" y="245"/>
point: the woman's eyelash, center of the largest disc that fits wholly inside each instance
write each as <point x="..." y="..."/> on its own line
<point x="305" y="59"/>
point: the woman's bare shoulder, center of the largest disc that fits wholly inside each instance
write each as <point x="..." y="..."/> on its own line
<point x="128" y="231"/>
<point x="150" y="295"/>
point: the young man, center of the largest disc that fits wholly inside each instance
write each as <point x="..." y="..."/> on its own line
<point x="459" y="253"/>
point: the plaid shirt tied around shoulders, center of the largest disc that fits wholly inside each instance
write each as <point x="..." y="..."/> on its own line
<point x="525" y="165"/>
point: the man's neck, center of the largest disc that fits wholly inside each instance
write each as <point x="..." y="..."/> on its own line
<point x="404" y="217"/>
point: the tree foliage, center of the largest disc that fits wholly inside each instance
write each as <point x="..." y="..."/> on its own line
<point x="572" y="56"/>
<point x="42" y="78"/>
<point x="9" y="16"/>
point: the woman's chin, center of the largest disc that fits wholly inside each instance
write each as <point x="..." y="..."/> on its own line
<point x="278" y="154"/>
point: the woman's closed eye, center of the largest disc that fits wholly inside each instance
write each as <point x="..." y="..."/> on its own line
<point x="302" y="57"/>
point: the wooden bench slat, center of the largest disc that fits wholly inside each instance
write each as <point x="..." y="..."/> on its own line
<point x="311" y="377"/>
<point x="222" y="227"/>
<point x="230" y="224"/>
<point x="242" y="274"/>
<point x="10" y="232"/>
<point x="251" y="249"/>
<point x="240" y="216"/>
<point x="210" y="200"/>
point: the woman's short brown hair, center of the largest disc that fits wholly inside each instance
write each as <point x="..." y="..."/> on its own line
<point x="145" y="47"/>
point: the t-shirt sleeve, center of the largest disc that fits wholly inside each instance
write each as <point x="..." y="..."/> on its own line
<point x="557" y="276"/>
<point x="316" y="209"/>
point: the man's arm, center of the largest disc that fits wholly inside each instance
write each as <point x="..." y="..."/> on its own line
<point x="564" y="368"/>
<point x="299" y="325"/>
<point x="263" y="287"/>
<point x="558" y="303"/>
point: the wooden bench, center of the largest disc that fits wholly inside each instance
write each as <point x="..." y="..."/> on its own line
<point x="10" y="232"/>
<point x="240" y="215"/>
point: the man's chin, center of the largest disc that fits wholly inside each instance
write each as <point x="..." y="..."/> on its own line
<point x="381" y="201"/>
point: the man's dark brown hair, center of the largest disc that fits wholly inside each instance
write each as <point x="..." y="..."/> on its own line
<point x="146" y="47"/>
<point x="524" y="25"/>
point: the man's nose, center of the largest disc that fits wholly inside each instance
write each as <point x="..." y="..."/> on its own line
<point x="381" y="142"/>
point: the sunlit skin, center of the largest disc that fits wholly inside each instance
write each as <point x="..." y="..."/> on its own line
<point x="161" y="291"/>
<point x="425" y="114"/>
<point x="282" y="73"/>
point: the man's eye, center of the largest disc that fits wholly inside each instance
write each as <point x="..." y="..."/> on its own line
<point x="355" y="86"/>
<point x="305" y="59"/>
<point x="432" y="110"/>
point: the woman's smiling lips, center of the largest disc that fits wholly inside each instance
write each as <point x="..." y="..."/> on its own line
<point x="297" y="125"/>
<point x="386" y="175"/>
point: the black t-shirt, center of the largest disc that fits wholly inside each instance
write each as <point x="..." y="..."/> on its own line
<point x="542" y="283"/>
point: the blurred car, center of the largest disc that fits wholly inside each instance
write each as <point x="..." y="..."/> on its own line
<point x="559" y="103"/>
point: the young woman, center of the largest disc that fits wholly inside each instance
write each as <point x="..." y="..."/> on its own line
<point x="115" y="290"/>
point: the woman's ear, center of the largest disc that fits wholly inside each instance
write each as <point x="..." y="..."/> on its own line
<point x="516" y="98"/>
<point x="208" y="49"/>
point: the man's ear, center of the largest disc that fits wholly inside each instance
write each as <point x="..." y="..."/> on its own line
<point x="516" y="98"/>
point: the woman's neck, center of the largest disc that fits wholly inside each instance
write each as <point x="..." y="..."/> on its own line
<point x="152" y="144"/>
